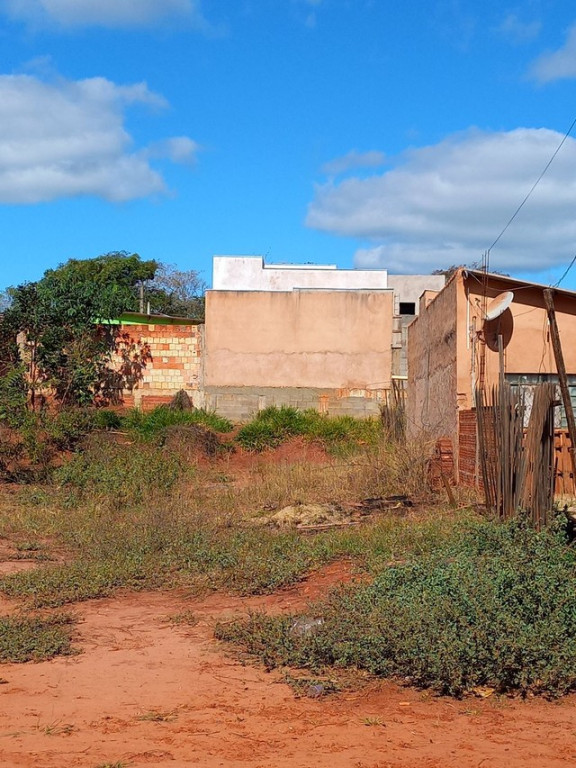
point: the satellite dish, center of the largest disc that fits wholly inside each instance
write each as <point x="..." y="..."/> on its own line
<point x="499" y="305"/>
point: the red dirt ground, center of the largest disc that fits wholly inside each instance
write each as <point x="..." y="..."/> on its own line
<point x="94" y="709"/>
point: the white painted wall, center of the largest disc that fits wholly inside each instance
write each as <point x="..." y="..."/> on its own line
<point x="250" y="273"/>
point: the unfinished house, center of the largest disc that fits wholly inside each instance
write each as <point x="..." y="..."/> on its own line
<point x="308" y="336"/>
<point x="479" y="329"/>
<point x="173" y="359"/>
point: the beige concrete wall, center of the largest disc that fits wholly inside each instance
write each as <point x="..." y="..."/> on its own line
<point x="411" y="287"/>
<point x="431" y="406"/>
<point x="524" y="328"/>
<point x="448" y="340"/>
<point x="318" y="339"/>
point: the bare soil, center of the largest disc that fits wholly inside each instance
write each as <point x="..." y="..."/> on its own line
<point x="148" y="692"/>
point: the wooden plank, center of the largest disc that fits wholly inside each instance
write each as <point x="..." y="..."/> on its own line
<point x="561" y="368"/>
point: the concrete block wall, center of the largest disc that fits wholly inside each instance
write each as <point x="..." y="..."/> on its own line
<point x="176" y="363"/>
<point x="242" y="403"/>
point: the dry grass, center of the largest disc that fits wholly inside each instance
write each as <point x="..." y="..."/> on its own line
<point x="137" y="517"/>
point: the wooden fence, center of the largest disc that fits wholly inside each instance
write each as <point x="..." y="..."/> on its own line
<point x="469" y="471"/>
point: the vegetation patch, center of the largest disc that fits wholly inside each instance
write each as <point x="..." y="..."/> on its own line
<point x="55" y="586"/>
<point x="35" y="638"/>
<point x="125" y="474"/>
<point x="153" y="425"/>
<point x="274" y="425"/>
<point x="494" y="609"/>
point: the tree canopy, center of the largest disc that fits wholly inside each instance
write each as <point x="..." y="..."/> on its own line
<point x="66" y="316"/>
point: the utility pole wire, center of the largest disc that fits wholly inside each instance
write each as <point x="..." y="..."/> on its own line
<point x="538" y="180"/>
<point x="568" y="268"/>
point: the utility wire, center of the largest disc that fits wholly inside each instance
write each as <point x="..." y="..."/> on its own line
<point x="568" y="268"/>
<point x="538" y="180"/>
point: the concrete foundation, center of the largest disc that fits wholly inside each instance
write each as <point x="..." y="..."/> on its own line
<point x="242" y="403"/>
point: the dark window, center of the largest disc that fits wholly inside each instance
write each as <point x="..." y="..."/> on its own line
<point x="407" y="308"/>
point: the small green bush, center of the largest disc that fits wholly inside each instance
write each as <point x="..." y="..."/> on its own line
<point x="496" y="608"/>
<point x="13" y="396"/>
<point x="68" y="426"/>
<point x="106" y="419"/>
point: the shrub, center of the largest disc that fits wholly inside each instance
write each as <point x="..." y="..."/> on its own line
<point x="13" y="396"/>
<point x="68" y="426"/>
<point x="105" y="419"/>
<point x="495" y="609"/>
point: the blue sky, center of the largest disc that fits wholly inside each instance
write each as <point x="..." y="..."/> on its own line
<point x="366" y="133"/>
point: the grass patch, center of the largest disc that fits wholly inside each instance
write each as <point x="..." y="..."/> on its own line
<point x="184" y="618"/>
<point x="117" y="764"/>
<point x="135" y="553"/>
<point x="274" y="425"/>
<point x="152" y="426"/>
<point x="495" y="608"/>
<point x="124" y="474"/>
<point x="54" y="586"/>
<point x="34" y="638"/>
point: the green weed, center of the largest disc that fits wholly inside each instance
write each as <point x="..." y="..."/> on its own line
<point x="125" y="474"/>
<point x="187" y="618"/>
<point x="493" y="608"/>
<point x="339" y="434"/>
<point x="54" y="586"/>
<point x="117" y="764"/>
<point x="152" y="425"/>
<point x="34" y="638"/>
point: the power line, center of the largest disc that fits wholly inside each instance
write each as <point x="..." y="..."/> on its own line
<point x="538" y="180"/>
<point x="568" y="268"/>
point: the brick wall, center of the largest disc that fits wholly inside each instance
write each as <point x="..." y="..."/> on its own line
<point x="175" y="362"/>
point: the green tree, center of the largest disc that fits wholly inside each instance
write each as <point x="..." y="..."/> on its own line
<point x="66" y="340"/>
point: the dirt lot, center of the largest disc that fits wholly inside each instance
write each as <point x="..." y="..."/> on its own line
<point x="148" y="692"/>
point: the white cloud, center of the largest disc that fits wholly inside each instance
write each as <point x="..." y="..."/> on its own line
<point x="557" y="65"/>
<point x="353" y="160"/>
<point x="446" y="204"/>
<point x="178" y="149"/>
<point x="105" y="13"/>
<point x="67" y="138"/>
<point x="519" y="31"/>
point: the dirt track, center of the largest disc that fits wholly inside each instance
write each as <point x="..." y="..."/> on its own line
<point x="146" y="692"/>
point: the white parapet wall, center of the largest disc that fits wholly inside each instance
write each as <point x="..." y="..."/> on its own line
<point x="250" y="273"/>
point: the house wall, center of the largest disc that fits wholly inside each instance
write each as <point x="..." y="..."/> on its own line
<point x="177" y="363"/>
<point x="329" y="350"/>
<point x="409" y="288"/>
<point x="431" y="406"/>
<point x="448" y="340"/>
<point x="524" y="328"/>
